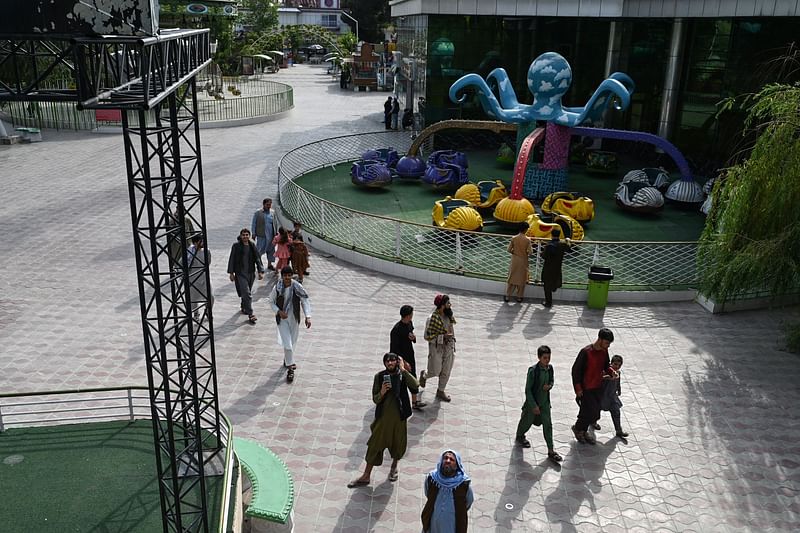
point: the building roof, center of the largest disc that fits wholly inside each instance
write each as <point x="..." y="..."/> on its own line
<point x="600" y="8"/>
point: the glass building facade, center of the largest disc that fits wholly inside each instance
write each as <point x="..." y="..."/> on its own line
<point x="719" y="58"/>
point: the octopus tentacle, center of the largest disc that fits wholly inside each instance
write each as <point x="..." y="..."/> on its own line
<point x="488" y="100"/>
<point x="508" y="98"/>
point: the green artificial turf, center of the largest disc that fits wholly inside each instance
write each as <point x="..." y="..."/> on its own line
<point x="412" y="201"/>
<point x="98" y="477"/>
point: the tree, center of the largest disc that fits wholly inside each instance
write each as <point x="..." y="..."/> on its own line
<point x="752" y="237"/>
<point x="372" y="17"/>
<point x="261" y="15"/>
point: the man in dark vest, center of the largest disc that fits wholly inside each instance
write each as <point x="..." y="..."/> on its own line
<point x="390" y="390"/>
<point x="449" y="496"/>
<point x="553" y="255"/>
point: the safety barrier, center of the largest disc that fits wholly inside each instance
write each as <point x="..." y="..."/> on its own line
<point x="261" y="99"/>
<point x="638" y="266"/>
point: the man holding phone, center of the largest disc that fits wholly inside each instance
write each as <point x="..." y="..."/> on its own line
<point x="390" y="392"/>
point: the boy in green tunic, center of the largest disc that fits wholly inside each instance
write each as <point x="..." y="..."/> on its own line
<point x="536" y="409"/>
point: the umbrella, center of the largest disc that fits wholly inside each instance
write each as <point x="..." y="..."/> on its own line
<point x="280" y="54"/>
<point x="315" y="47"/>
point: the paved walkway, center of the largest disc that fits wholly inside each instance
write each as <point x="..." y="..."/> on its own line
<point x="709" y="400"/>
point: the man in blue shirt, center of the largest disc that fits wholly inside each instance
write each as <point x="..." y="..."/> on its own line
<point x="264" y="227"/>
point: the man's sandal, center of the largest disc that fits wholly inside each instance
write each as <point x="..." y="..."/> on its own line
<point x="290" y="374"/>
<point x="554" y="456"/>
<point x="357" y="483"/>
<point x="440" y="394"/>
<point x="252" y="319"/>
<point x="393" y="475"/>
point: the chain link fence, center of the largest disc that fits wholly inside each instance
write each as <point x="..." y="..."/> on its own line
<point x="641" y="266"/>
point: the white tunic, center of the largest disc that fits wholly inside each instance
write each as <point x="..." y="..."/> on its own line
<point x="289" y="328"/>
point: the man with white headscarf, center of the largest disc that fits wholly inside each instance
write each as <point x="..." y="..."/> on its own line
<point x="287" y="298"/>
<point x="449" y="496"/>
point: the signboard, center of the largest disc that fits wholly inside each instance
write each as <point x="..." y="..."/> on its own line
<point x="69" y="18"/>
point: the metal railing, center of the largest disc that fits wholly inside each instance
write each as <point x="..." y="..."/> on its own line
<point x="262" y="98"/>
<point x="641" y="266"/>
<point x="49" y="408"/>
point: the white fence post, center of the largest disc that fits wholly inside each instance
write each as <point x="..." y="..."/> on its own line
<point x="536" y="268"/>
<point x="397" y="238"/>
<point x="459" y="254"/>
<point x="130" y="404"/>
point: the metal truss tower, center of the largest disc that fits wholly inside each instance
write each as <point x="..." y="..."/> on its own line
<point x="165" y="184"/>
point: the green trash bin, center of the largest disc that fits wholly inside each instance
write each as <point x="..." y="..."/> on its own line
<point x="599" y="278"/>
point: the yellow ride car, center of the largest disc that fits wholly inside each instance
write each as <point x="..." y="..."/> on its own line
<point x="456" y="214"/>
<point x="569" y="227"/>
<point x="581" y="208"/>
<point x="510" y="211"/>
<point x="484" y="195"/>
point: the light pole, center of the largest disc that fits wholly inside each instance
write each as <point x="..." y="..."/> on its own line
<point x="354" y="20"/>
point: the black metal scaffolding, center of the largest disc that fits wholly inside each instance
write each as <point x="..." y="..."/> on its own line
<point x="165" y="183"/>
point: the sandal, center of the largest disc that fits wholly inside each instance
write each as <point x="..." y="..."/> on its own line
<point x="357" y="483"/>
<point x="418" y="405"/>
<point x="393" y="475"/>
<point x="596" y="426"/>
<point x="252" y="319"/>
<point x="290" y="374"/>
<point x="554" y="456"/>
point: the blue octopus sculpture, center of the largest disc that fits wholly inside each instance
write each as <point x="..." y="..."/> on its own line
<point x="549" y="78"/>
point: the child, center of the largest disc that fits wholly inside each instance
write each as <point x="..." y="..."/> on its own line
<point x="609" y="396"/>
<point x="298" y="232"/>
<point x="282" y="241"/>
<point x="536" y="409"/>
<point x="299" y="257"/>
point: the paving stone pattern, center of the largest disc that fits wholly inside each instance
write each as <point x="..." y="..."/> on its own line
<point x="710" y="401"/>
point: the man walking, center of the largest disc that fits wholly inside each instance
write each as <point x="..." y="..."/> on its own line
<point x="263" y="227"/>
<point x="395" y="112"/>
<point x="553" y="255"/>
<point x="587" y="379"/>
<point x="390" y="389"/>
<point x="286" y="299"/>
<point x="387" y="113"/>
<point x="449" y="496"/>
<point x="243" y="263"/>
<point x="401" y="342"/>
<point x="441" y="344"/>
<point x="199" y="260"/>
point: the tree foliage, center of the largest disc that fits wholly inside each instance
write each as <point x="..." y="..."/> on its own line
<point x="261" y="15"/>
<point x="752" y="237"/>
